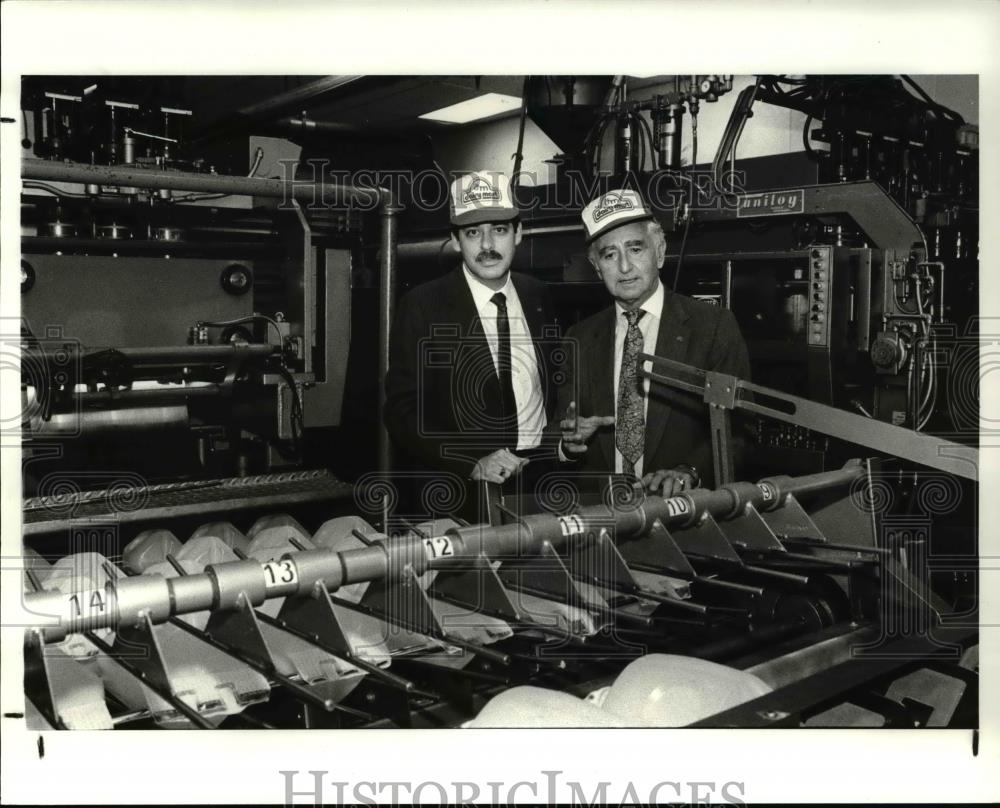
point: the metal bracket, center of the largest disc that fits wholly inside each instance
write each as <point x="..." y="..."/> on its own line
<point x="657" y="550"/>
<point x="791" y="520"/>
<point x="705" y="539"/>
<point x="476" y="585"/>
<point x="749" y="530"/>
<point x="318" y="617"/>
<point x="151" y="666"/>
<point x="603" y="565"/>
<point x="720" y="389"/>
<point x="843" y="520"/>
<point x="240" y="629"/>
<point x="598" y="562"/>
<point x="62" y="689"/>
<point x="548" y="576"/>
<point x="37" y="680"/>
<point x="911" y="593"/>
<point x="403" y="603"/>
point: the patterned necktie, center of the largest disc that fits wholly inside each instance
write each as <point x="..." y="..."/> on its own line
<point x="507" y="401"/>
<point x="630" y="423"/>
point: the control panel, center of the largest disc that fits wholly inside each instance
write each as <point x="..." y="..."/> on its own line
<point x="820" y="282"/>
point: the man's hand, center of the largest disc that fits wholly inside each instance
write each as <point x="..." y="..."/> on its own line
<point x="668" y="482"/>
<point x="498" y="467"/>
<point x="577" y="431"/>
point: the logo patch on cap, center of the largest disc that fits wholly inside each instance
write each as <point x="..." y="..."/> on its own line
<point x="611" y="203"/>
<point x="613" y="209"/>
<point x="480" y="191"/>
<point x="482" y="196"/>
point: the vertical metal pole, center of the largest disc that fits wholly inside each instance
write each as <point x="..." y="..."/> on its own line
<point x="387" y="299"/>
<point x="722" y="444"/>
<point x="299" y="268"/>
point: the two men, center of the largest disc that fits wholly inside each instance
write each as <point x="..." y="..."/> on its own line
<point x="469" y="386"/>
<point x="471" y="353"/>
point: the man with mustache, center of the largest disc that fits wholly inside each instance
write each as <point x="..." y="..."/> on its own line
<point x="471" y="352"/>
<point x="631" y="426"/>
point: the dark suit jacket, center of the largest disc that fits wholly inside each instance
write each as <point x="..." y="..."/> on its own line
<point x="442" y="390"/>
<point x="677" y="426"/>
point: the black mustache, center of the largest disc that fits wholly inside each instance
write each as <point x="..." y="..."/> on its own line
<point x="489" y="255"/>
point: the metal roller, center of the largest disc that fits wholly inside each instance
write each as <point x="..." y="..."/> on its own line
<point x="101" y="422"/>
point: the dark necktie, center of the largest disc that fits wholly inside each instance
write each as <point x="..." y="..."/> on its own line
<point x="630" y="423"/>
<point x="507" y="401"/>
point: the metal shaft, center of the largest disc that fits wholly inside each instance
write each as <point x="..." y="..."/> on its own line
<point x="127" y="601"/>
<point x="387" y="299"/>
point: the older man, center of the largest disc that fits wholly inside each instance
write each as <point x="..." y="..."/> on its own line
<point x="471" y="352"/>
<point x="659" y="434"/>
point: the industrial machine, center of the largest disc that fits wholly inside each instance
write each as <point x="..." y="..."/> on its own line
<point x="181" y="329"/>
<point x="893" y="220"/>
<point x="852" y="267"/>
<point x="851" y="323"/>
<point x="811" y="583"/>
<point x="186" y="334"/>
<point x="208" y="315"/>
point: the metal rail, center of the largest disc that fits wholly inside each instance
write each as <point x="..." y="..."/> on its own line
<point x="722" y="393"/>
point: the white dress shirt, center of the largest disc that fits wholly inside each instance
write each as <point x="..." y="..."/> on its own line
<point x="649" y="325"/>
<point x="523" y="363"/>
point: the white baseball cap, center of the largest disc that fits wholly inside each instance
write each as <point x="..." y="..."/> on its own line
<point x="613" y="209"/>
<point x="482" y="196"/>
